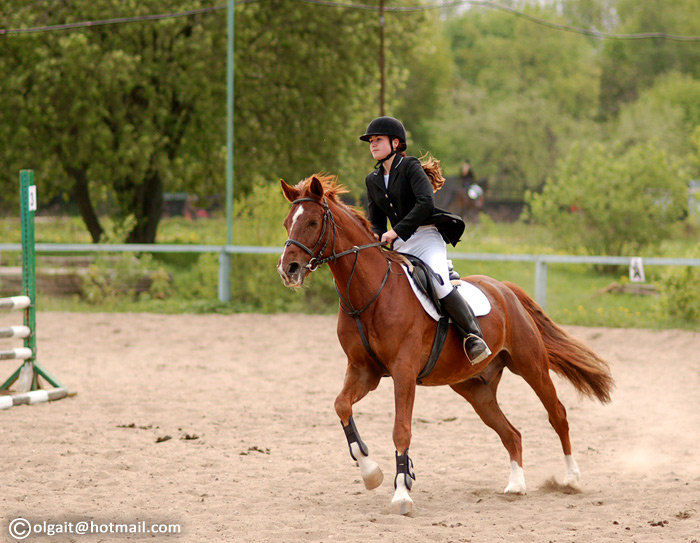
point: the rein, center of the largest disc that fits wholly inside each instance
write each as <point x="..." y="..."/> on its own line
<point x="317" y="260"/>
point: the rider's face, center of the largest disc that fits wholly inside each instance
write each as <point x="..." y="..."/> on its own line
<point x="379" y="146"/>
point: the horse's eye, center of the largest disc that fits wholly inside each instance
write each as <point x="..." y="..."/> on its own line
<point x="313" y="223"/>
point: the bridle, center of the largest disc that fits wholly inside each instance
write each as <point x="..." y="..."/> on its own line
<point x="317" y="260"/>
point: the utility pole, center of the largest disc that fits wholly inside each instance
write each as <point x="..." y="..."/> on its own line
<point x="381" y="58"/>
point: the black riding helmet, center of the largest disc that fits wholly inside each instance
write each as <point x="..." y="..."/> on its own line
<point x="385" y="126"/>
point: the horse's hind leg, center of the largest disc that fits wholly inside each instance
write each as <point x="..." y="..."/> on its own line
<point x="358" y="382"/>
<point x="537" y="376"/>
<point x="482" y="396"/>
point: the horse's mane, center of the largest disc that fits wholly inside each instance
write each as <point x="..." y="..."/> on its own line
<point x="332" y="190"/>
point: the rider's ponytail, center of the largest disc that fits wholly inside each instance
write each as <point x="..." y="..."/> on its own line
<point x="432" y="168"/>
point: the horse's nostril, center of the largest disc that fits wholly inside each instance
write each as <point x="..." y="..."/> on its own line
<point x="292" y="268"/>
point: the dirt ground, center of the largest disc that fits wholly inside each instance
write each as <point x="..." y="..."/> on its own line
<point x="257" y="454"/>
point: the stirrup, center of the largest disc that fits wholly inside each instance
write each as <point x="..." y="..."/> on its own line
<point x="483" y="355"/>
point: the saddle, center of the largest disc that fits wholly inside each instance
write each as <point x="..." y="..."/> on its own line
<point x="422" y="274"/>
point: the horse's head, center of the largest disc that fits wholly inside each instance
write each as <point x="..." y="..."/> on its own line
<point x="309" y="230"/>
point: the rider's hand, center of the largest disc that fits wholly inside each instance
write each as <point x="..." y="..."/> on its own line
<point x="389" y="237"/>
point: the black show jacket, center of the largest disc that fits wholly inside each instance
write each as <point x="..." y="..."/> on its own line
<point x="407" y="202"/>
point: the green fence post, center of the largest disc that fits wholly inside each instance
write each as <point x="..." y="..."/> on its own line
<point x="28" y="207"/>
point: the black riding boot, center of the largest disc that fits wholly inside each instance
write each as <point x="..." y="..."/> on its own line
<point x="467" y="325"/>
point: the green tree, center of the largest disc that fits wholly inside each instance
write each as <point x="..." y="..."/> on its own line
<point x="120" y="110"/>
<point x="695" y="155"/>
<point x="119" y="114"/>
<point x="522" y="93"/>
<point x="307" y="84"/>
<point x="303" y="75"/>
<point x="666" y="112"/>
<point x="506" y="56"/>
<point x="515" y="141"/>
<point x="429" y="81"/>
<point x="591" y="14"/>
<point x="609" y="203"/>
<point x="630" y="66"/>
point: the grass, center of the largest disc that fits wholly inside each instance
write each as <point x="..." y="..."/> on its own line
<point x="573" y="291"/>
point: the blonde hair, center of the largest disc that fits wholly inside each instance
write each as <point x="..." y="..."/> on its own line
<point x="432" y="169"/>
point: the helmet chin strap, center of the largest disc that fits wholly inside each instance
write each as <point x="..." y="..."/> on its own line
<point x="381" y="161"/>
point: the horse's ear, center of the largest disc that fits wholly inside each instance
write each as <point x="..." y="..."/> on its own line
<point x="316" y="187"/>
<point x="290" y="193"/>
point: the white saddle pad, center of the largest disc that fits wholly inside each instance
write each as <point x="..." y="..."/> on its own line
<point x="474" y="296"/>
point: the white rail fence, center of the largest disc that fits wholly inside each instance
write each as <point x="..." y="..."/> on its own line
<point x="541" y="262"/>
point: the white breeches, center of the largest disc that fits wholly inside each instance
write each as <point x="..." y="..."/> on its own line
<point x="427" y="244"/>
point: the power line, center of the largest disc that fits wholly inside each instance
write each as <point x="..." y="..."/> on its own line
<point x="368" y="7"/>
<point x="584" y="31"/>
<point x="117" y="20"/>
<point x="513" y="11"/>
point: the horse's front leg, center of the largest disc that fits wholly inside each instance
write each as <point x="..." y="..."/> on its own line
<point x="404" y="395"/>
<point x="358" y="382"/>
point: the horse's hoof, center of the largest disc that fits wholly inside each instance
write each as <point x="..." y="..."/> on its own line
<point x="572" y="480"/>
<point x="373" y="476"/>
<point x="516" y="482"/>
<point x="573" y="475"/>
<point x="401" y="503"/>
<point x="515" y="488"/>
<point x="402" y="506"/>
<point x="371" y="472"/>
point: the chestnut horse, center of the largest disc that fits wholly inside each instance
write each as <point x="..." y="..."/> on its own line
<point x="384" y="331"/>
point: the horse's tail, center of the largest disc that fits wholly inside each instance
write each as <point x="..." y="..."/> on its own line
<point x="568" y="357"/>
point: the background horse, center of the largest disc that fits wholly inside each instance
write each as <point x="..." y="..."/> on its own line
<point x="384" y="330"/>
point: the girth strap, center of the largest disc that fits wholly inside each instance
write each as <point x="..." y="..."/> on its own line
<point x="438" y="344"/>
<point x="435" y="351"/>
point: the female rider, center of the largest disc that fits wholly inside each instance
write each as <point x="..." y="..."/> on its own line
<point x="400" y="190"/>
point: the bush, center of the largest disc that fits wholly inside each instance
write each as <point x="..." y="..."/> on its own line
<point x="680" y="296"/>
<point x="255" y="283"/>
<point x="609" y="204"/>
<point x="125" y="276"/>
<point x="196" y="282"/>
<point x="190" y="280"/>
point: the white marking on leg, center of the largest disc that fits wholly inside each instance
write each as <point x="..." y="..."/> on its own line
<point x="516" y="482"/>
<point x="572" y="472"/>
<point x="401" y="503"/>
<point x="371" y="472"/>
